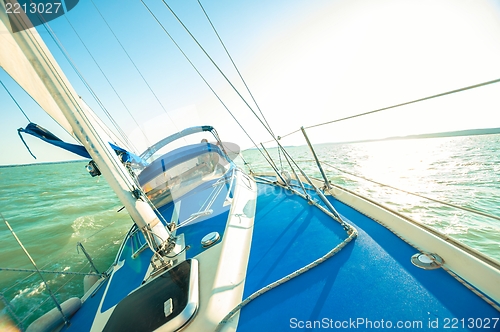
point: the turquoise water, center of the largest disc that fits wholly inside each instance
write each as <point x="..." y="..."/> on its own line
<point x="52" y="207"/>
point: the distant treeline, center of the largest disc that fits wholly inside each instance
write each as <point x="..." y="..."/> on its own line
<point x="468" y="132"/>
<point x="45" y="163"/>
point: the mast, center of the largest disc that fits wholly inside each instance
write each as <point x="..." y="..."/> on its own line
<point x="26" y="58"/>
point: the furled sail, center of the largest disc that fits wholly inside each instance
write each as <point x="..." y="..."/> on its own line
<point x="28" y="61"/>
<point x="19" y="60"/>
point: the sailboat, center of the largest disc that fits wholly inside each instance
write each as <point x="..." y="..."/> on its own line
<point x="213" y="248"/>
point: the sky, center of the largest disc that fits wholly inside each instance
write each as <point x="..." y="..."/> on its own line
<point x="305" y="61"/>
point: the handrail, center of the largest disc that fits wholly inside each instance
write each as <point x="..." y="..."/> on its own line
<point x="169" y="139"/>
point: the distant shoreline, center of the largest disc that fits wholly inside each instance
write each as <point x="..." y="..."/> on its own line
<point x="44" y="163"/>
<point x="456" y="133"/>
<point x="467" y="132"/>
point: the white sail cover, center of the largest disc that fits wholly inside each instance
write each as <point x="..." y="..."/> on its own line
<point x="24" y="56"/>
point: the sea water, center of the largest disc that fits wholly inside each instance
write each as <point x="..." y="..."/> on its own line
<point x="52" y="207"/>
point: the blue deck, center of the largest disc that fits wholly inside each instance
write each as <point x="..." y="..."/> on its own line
<point x="132" y="270"/>
<point x="370" y="284"/>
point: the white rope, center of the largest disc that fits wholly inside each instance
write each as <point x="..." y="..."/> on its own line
<point x="351" y="231"/>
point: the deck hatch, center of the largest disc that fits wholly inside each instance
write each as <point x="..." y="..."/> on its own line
<point x="427" y="261"/>
<point x="169" y="301"/>
<point x="210" y="239"/>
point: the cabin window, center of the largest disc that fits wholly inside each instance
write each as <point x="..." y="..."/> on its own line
<point x="179" y="179"/>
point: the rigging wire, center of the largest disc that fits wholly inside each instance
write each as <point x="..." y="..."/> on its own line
<point x="229" y="82"/>
<point x="107" y="80"/>
<point x="352" y="234"/>
<point x="34" y="309"/>
<point x="52" y="296"/>
<point x="47" y="271"/>
<point x="220" y="70"/>
<point x="233" y="63"/>
<point x="484" y="214"/>
<point x="410" y="102"/>
<point x="82" y="78"/>
<point x="204" y="80"/>
<point x="15" y="101"/>
<point x="135" y="66"/>
<point x="68" y="91"/>
<point x="239" y="74"/>
<point x="62" y="82"/>
<point x="20" y="281"/>
<point x="397" y="105"/>
<point x="241" y="97"/>
<point x="10" y="309"/>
